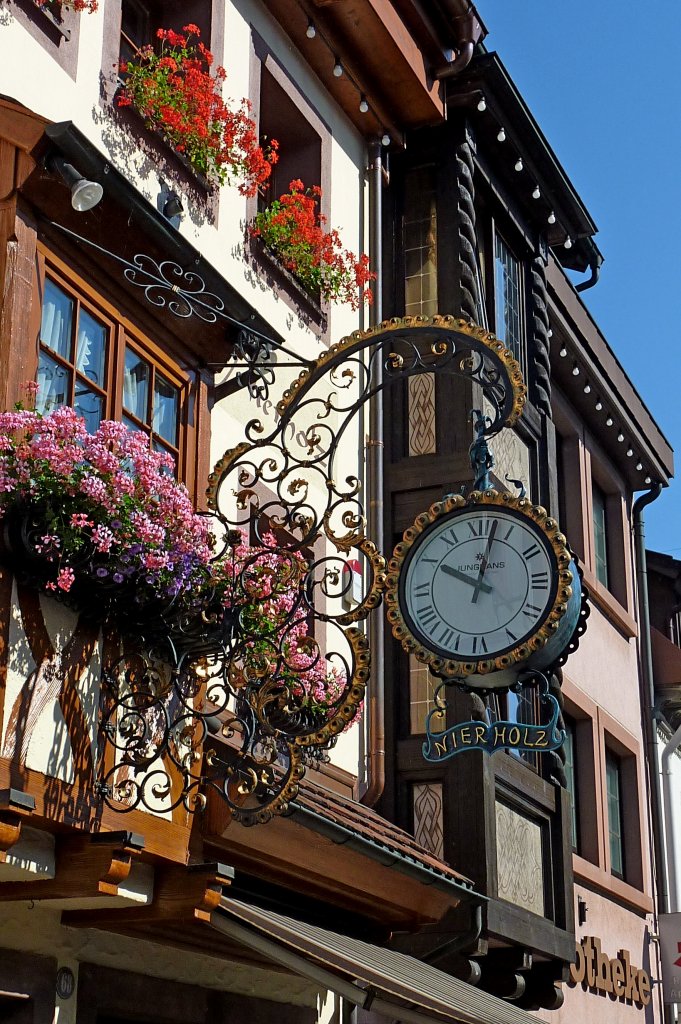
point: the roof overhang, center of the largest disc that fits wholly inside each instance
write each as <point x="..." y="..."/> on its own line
<point x="576" y="333"/>
<point x="390" y="50"/>
<point x="505" y="107"/>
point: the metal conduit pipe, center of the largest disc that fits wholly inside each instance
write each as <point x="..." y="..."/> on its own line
<point x="648" y="702"/>
<point x="669" y="819"/>
<point x="374" y="476"/>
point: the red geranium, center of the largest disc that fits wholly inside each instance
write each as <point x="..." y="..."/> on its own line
<point x="176" y="94"/>
<point x="70" y="5"/>
<point x="293" y="228"/>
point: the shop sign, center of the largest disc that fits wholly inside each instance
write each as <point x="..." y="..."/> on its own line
<point x="670" y="949"/>
<point x="616" y="977"/>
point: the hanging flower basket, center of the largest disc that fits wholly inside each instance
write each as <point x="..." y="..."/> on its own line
<point x="98" y="521"/>
<point x="175" y="92"/>
<point x="292" y="228"/>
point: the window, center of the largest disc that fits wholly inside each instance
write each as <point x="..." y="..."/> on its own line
<point x="90" y="360"/>
<point x="420" y="243"/>
<point x="508" y="298"/>
<point x="300" y="146"/>
<point x="569" y="750"/>
<point x="141" y="18"/>
<point x="599" y="501"/>
<point x="613" y="773"/>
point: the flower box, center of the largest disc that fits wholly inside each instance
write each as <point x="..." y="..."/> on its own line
<point x="176" y="94"/>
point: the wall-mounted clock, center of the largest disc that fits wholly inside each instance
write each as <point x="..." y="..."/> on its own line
<point x="482" y="584"/>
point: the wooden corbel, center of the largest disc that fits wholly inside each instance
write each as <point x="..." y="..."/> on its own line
<point x="15" y="808"/>
<point x="181" y="894"/>
<point x="90" y="865"/>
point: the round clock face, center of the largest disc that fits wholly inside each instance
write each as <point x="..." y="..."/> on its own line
<point x="478" y="583"/>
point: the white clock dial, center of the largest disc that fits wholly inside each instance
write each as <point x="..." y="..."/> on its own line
<point x="478" y="583"/>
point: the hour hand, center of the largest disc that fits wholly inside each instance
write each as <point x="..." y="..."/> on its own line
<point x="471" y="580"/>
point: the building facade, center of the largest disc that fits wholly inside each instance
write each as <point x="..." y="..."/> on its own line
<point x="461" y="891"/>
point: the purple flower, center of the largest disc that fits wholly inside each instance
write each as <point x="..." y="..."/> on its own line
<point x="118" y="577"/>
<point x="102" y="571"/>
<point x="116" y="524"/>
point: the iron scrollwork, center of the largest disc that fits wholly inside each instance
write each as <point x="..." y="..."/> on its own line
<point x="213" y="702"/>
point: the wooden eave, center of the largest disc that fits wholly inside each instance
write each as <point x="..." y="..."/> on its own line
<point x="288" y="854"/>
<point x="376" y="43"/>
<point x="573" y="325"/>
<point x="486" y="76"/>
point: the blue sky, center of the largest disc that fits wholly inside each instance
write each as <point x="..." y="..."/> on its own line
<point x="602" y="79"/>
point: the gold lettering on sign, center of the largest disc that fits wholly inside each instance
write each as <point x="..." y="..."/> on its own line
<point x="593" y="969"/>
<point x="441" y="748"/>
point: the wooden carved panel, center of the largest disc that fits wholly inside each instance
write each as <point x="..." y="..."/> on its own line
<point x="520" y="868"/>
<point x="428" y="819"/>
<point x="421" y="403"/>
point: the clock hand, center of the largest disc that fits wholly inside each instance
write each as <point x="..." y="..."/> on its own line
<point x="485" y="587"/>
<point x="483" y="562"/>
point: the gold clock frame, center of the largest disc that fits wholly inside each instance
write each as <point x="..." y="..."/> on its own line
<point x="445" y="668"/>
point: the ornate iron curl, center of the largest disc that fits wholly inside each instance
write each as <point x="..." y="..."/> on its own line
<point x="236" y="702"/>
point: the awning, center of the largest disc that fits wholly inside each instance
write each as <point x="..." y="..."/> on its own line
<point x="382" y="980"/>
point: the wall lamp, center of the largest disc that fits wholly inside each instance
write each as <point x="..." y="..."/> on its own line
<point x="84" y="193"/>
<point x="172" y="207"/>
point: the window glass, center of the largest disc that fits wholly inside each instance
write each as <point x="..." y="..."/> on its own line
<point x="77" y="366"/>
<point x="166" y="408"/>
<point x="91" y="348"/>
<point x="420" y="243"/>
<point x="600" y="534"/>
<point x="300" y="146"/>
<point x="571" y="778"/>
<point x="136" y="385"/>
<point x="507" y="294"/>
<point x="613" y="771"/>
<point x="57" y="320"/>
<point x="54" y="384"/>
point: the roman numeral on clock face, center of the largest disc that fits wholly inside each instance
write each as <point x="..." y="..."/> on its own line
<point x="540" y="581"/>
<point x="482" y="527"/>
<point x="422" y="590"/>
<point x="531" y="552"/>
<point x="452" y="539"/>
<point x="427" y="616"/>
<point x="531" y="610"/>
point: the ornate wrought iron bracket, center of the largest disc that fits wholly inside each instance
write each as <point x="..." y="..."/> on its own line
<point x="208" y="700"/>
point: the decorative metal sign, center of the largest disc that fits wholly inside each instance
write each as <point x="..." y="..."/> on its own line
<point x="210" y="699"/>
<point x="490" y="737"/>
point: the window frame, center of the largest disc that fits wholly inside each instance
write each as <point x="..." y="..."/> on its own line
<point x="283" y="284"/>
<point x="499" y="238"/>
<point x="192" y="465"/>
<point x="615" y="829"/>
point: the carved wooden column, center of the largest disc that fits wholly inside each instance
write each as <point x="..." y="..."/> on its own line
<point x="469" y="291"/>
<point x="539" y="340"/>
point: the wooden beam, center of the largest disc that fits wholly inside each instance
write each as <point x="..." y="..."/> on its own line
<point x="180" y="894"/>
<point x="15" y="807"/>
<point x="84" y="868"/>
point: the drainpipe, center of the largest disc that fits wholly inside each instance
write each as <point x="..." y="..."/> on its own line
<point x="648" y="701"/>
<point x="374" y="475"/>
<point x="669" y="819"/>
<point x="595" y="263"/>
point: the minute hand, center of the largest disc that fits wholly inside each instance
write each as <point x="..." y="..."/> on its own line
<point x="472" y="582"/>
<point x="483" y="563"/>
